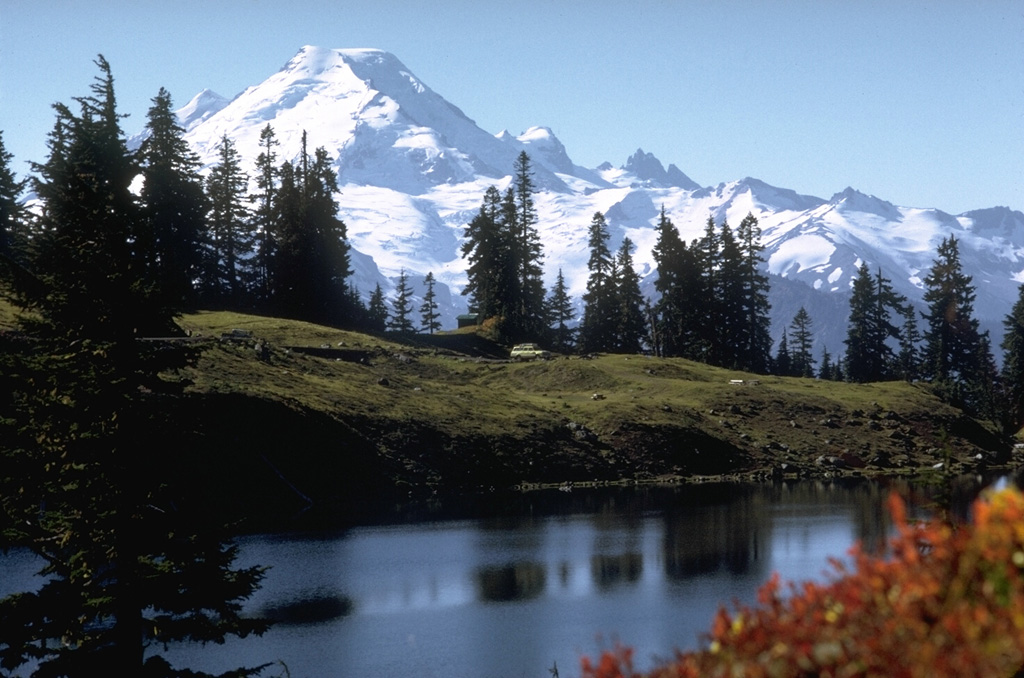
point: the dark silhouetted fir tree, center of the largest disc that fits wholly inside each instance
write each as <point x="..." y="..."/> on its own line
<point x="266" y="183"/>
<point x="12" y="214"/>
<point x="1013" y="363"/>
<point x="228" y="276"/>
<point x="174" y="207"/>
<point x="871" y="333"/>
<point x="310" y="262"/>
<point x="954" y="356"/>
<point x="91" y="478"/>
<point x="377" y="311"/>
<point x="753" y="341"/>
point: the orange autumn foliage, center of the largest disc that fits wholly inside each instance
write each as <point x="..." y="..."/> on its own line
<point x="945" y="601"/>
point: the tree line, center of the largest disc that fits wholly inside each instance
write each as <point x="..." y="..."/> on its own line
<point x="210" y="241"/>
<point x="712" y="306"/>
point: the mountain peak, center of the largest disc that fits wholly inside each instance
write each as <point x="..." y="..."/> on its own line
<point x="381" y="124"/>
<point x="202" y="106"/>
<point x="852" y="200"/>
<point x="647" y="167"/>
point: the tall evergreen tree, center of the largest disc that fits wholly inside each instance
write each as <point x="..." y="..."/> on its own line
<point x="708" y="254"/>
<point x="377" y="311"/>
<point x="266" y="183"/>
<point x="83" y="484"/>
<point x="909" y="359"/>
<point x="826" y="372"/>
<point x="428" y="309"/>
<point x="399" y="320"/>
<point x="669" y="313"/>
<point x="174" y="208"/>
<point x="869" y="355"/>
<point x="783" y="362"/>
<point x="310" y="261"/>
<point x="679" y="310"/>
<point x="560" y="312"/>
<point x="527" y="315"/>
<point x="490" y="271"/>
<point x="228" y="276"/>
<point x="953" y="357"/>
<point x="630" y="326"/>
<point x="801" y="338"/>
<point x="754" y="341"/>
<point x="11" y="213"/>
<point x="329" y="254"/>
<point x="731" y="297"/>
<point x="1013" y="363"/>
<point x="597" y="329"/>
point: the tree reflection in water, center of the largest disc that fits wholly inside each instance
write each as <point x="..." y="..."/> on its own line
<point x="502" y="584"/>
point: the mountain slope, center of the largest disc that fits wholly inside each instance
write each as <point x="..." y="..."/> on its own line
<point x="413" y="169"/>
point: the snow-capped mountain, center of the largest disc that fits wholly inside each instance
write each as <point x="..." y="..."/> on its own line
<point x="413" y="169"/>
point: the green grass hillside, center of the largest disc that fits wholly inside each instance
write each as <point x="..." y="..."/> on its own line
<point x="290" y="414"/>
<point x="444" y="411"/>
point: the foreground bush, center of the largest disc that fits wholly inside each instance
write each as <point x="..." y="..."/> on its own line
<point x="945" y="601"/>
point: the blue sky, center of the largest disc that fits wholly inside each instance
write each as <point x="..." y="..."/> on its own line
<point x="919" y="103"/>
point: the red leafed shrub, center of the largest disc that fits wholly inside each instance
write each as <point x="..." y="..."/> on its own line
<point x="946" y="601"/>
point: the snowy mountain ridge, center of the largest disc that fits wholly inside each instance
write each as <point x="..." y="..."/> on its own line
<point x="413" y="169"/>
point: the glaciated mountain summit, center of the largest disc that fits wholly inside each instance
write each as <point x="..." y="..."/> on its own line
<point x="413" y="168"/>
<point x="385" y="126"/>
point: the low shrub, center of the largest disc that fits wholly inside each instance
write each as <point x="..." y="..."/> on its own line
<point x="946" y="600"/>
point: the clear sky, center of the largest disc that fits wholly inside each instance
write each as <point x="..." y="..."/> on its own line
<point x="917" y="102"/>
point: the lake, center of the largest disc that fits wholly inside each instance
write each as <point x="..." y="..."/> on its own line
<point x="508" y="587"/>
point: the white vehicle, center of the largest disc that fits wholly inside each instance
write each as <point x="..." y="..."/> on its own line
<point x="528" y="352"/>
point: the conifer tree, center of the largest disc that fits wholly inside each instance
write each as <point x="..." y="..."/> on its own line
<point x="329" y="253"/>
<point x="90" y="482"/>
<point x="1013" y="363"/>
<point x="377" y="311"/>
<point x="679" y="309"/>
<point x="174" y="208"/>
<point x="783" y="364"/>
<point x="489" y="258"/>
<point x="266" y="183"/>
<point x="310" y="261"/>
<point x="560" y="312"/>
<point x="428" y="309"/>
<point x="909" y="359"/>
<point x="731" y="298"/>
<point x="708" y="254"/>
<point x="954" y="357"/>
<point x="669" y="313"/>
<point x="800" y="338"/>
<point x="630" y="328"/>
<point x="869" y="356"/>
<point x="228" y="276"/>
<point x="399" y="320"/>
<point x="826" y="372"/>
<point x="754" y="341"/>
<point x="12" y="241"/>
<point x="527" y="314"/>
<point x="597" y="329"/>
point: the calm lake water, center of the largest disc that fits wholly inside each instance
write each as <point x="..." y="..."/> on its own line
<point x="509" y="588"/>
